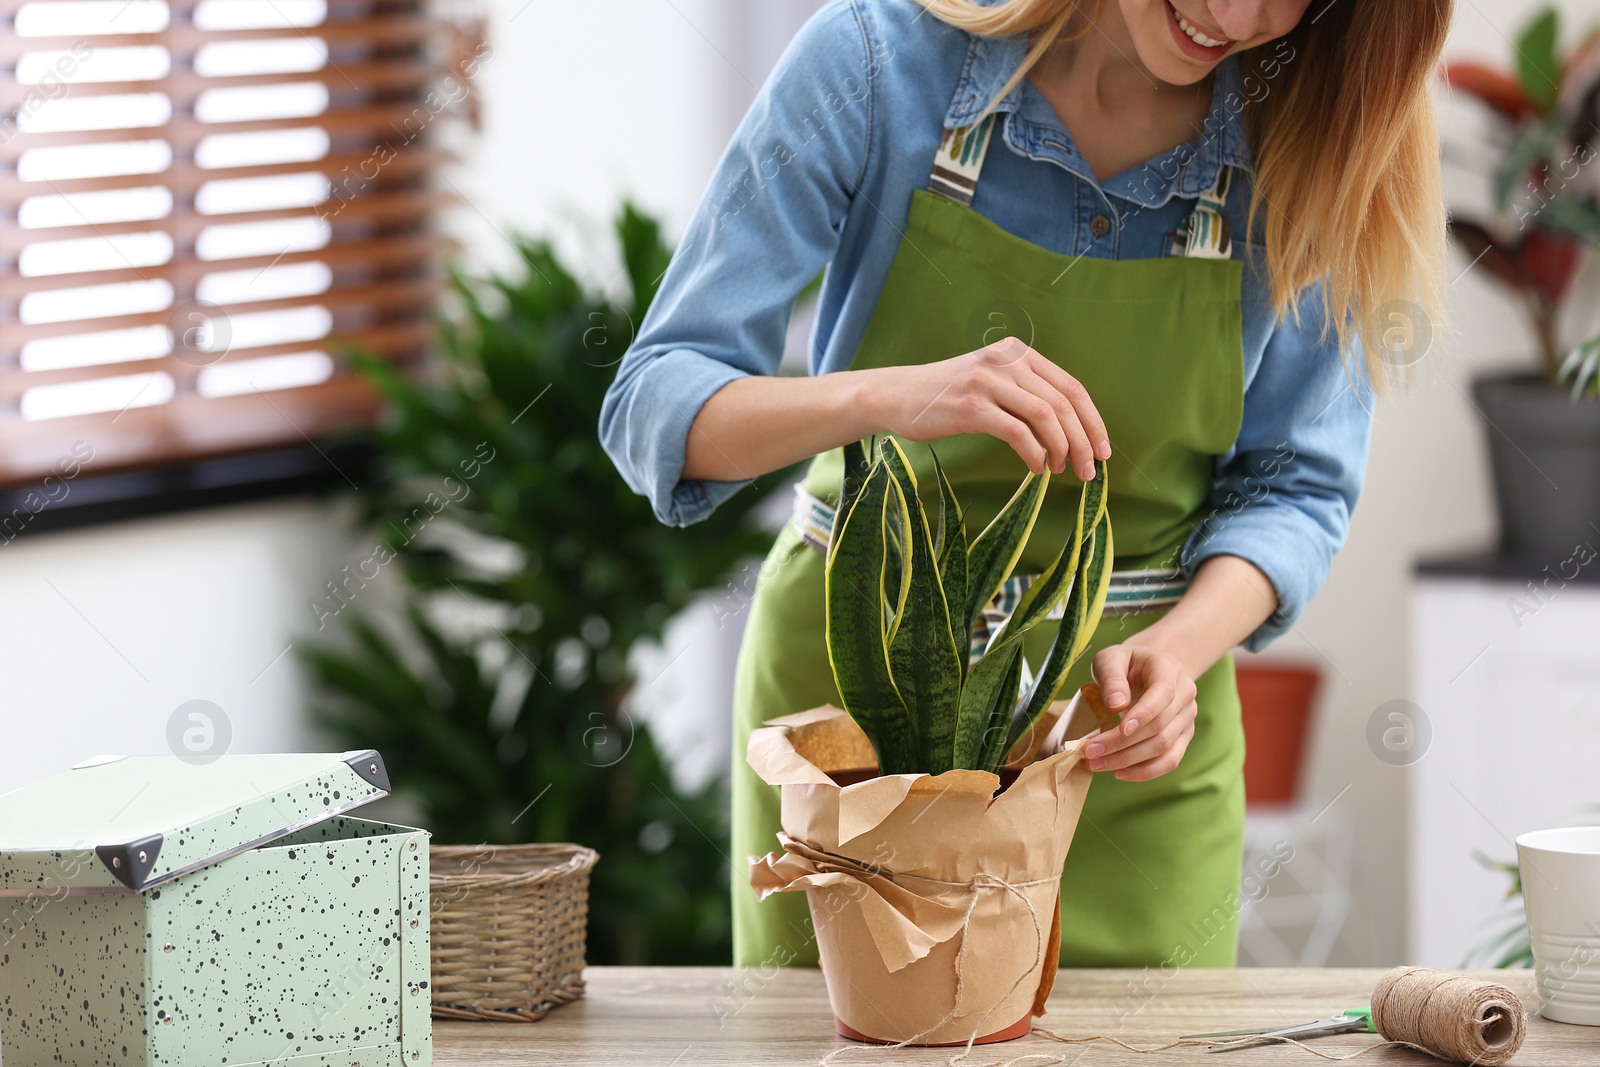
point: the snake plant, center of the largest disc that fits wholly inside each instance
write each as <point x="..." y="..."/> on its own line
<point x="903" y="591"/>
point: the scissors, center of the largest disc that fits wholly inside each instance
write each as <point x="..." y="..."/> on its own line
<point x="1353" y="1021"/>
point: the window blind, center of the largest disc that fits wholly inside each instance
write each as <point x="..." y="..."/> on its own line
<point x="202" y="204"/>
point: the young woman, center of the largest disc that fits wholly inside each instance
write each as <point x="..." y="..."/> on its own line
<point x="1175" y="234"/>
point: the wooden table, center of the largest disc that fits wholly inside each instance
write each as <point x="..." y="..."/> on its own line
<point x="663" y="1016"/>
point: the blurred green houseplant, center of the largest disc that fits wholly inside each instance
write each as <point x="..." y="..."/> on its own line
<point x="510" y="725"/>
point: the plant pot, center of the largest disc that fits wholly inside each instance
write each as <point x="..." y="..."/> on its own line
<point x="1544" y="450"/>
<point x="1276" y="703"/>
<point x="930" y="931"/>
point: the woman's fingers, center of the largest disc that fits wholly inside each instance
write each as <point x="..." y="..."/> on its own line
<point x="1011" y="392"/>
<point x="1094" y="427"/>
<point x="1110" y="670"/>
<point x="1164" y="691"/>
<point x="1164" y="761"/>
<point x="1146" y="749"/>
<point x="1079" y="453"/>
<point x="1163" y="680"/>
<point x="1122" y="746"/>
<point x="1040" y="416"/>
<point x="1019" y="435"/>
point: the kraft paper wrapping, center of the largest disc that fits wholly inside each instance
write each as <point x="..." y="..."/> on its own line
<point x="934" y="901"/>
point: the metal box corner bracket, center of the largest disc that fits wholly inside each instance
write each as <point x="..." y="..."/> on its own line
<point x="154" y="911"/>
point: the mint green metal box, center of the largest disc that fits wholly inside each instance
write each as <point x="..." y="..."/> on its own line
<point x="155" y="911"/>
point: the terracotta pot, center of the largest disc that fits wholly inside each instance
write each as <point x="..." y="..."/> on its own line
<point x="1276" y="701"/>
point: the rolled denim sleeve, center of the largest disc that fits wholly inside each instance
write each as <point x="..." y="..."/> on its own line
<point x="1284" y="496"/>
<point x="769" y="221"/>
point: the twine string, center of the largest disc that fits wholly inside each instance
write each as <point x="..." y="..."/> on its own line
<point x="1451" y="1017"/>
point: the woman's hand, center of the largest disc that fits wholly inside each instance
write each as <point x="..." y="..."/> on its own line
<point x="1006" y="390"/>
<point x="1156" y="729"/>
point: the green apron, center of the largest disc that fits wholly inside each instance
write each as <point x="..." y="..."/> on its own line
<point x="1153" y="874"/>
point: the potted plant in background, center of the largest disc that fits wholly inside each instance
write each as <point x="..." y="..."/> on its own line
<point x="1544" y="427"/>
<point x="941" y="930"/>
<point x="499" y="693"/>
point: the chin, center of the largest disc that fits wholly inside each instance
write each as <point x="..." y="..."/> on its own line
<point x="1170" y="54"/>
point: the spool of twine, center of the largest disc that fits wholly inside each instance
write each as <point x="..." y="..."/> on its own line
<point x="1450" y="1016"/>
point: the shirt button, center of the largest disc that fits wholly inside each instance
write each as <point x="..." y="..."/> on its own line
<point x="1099" y="226"/>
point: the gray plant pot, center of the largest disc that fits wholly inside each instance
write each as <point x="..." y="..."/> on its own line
<point x="1545" y="454"/>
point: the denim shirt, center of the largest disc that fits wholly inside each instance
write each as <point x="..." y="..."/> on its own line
<point x="819" y="175"/>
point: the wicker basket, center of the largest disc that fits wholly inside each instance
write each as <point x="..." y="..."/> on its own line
<point x="508" y="929"/>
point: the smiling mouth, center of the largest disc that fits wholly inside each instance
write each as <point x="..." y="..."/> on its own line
<point x="1194" y="33"/>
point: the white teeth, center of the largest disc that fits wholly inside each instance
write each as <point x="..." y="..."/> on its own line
<point x="1198" y="37"/>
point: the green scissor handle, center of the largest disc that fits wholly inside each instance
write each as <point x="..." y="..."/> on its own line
<point x="1364" y="1014"/>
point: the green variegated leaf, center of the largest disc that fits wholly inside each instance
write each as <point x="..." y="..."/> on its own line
<point x="986" y="688"/>
<point x="996" y="550"/>
<point x="896" y="523"/>
<point x="1092" y="506"/>
<point x="923" y="655"/>
<point x="992" y="752"/>
<point x="951" y="551"/>
<point x="858" y="644"/>
<point x="1096" y="575"/>
<point x="991" y="681"/>
<point x="893" y="458"/>
<point x="857" y="465"/>
<point x="1085" y="602"/>
<point x="983" y="689"/>
<point x="1051" y="585"/>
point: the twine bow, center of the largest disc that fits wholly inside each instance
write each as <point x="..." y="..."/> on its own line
<point x="905" y="923"/>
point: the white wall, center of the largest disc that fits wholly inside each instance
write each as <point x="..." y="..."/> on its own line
<point x="109" y="629"/>
<point x="587" y="103"/>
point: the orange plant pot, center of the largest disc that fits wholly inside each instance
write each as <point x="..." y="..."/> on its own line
<point x="1276" y="700"/>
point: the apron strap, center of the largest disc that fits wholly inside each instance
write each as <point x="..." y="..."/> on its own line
<point x="959" y="159"/>
<point x="1207" y="235"/>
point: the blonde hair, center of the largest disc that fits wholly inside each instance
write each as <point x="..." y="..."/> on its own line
<point x="1345" y="151"/>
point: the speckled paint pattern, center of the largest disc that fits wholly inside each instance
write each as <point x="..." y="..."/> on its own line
<point x="200" y="813"/>
<point x="310" y="950"/>
<point x="72" y="980"/>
